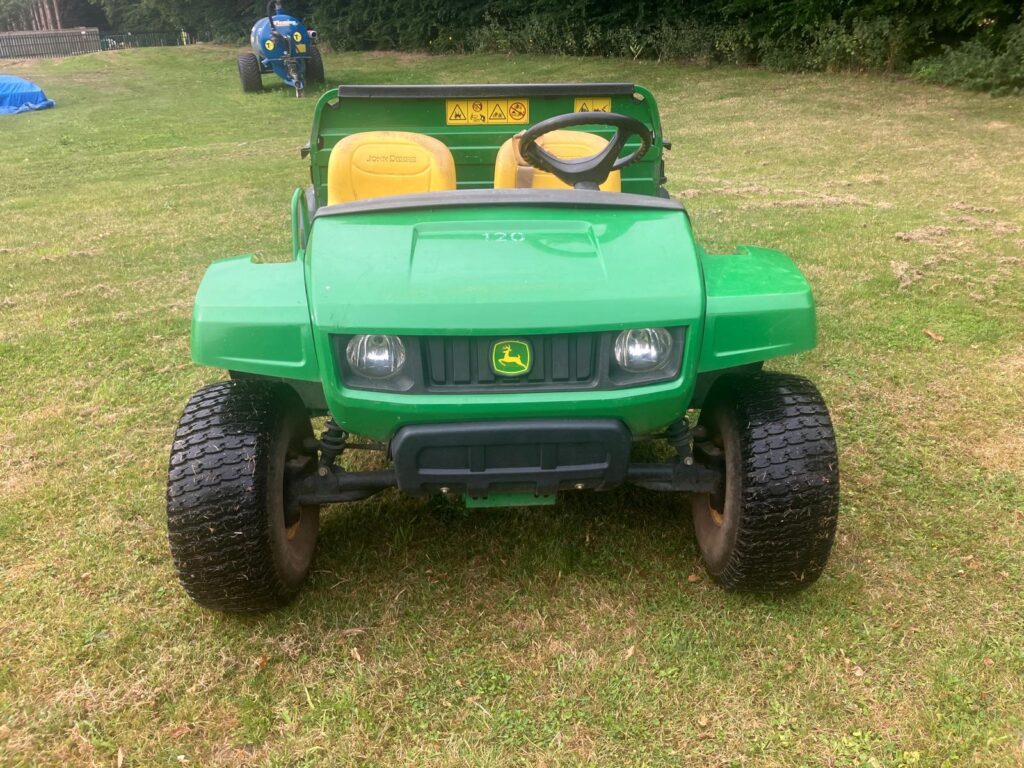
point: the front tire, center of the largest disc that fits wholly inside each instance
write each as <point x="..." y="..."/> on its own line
<point x="771" y="525"/>
<point x="249" y="72"/>
<point x="237" y="543"/>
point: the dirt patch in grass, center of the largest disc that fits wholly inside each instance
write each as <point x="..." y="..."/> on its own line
<point x="21" y="471"/>
<point x="905" y="274"/>
<point x="783" y="198"/>
<point x="959" y="259"/>
<point x="968" y="208"/>
<point x="975" y="403"/>
<point x="1001" y="451"/>
<point x="829" y="201"/>
<point x="973" y="223"/>
<point x="928" y="234"/>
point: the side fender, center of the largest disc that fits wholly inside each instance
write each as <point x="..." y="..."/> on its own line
<point x="254" y="318"/>
<point x="759" y="306"/>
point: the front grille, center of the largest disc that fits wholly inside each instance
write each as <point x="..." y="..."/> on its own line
<point x="560" y="361"/>
<point x="462" y="364"/>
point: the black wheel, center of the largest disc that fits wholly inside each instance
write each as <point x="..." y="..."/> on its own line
<point x="315" y="67"/>
<point x="770" y="526"/>
<point x="249" y="72"/>
<point x="237" y="544"/>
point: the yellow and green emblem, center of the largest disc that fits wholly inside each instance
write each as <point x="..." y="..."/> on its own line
<point x="511" y="358"/>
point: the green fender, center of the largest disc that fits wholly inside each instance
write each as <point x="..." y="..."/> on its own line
<point x="254" y="318"/>
<point x="759" y="306"/>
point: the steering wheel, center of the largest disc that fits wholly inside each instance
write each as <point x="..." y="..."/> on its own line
<point x="587" y="172"/>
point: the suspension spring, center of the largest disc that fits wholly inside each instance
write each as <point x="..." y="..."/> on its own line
<point x="332" y="443"/>
<point x="679" y="436"/>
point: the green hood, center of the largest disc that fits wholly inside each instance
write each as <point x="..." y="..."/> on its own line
<point x="492" y="269"/>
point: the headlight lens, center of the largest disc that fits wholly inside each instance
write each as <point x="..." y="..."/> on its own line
<point x="376" y="356"/>
<point x="643" y="349"/>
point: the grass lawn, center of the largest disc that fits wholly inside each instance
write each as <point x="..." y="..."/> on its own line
<point x="430" y="635"/>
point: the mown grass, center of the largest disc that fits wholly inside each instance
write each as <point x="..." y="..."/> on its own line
<point x="430" y="635"/>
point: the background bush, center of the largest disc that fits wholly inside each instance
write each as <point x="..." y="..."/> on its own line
<point x="992" y="62"/>
<point x="973" y="43"/>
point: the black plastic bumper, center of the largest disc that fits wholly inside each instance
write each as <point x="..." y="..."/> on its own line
<point x="538" y="456"/>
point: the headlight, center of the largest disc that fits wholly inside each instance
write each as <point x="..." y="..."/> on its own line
<point x="643" y="349"/>
<point x="376" y="356"/>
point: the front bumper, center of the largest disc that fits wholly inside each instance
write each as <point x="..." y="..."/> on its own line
<point x="481" y="459"/>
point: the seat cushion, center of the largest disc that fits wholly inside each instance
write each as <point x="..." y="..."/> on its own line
<point x="381" y="163"/>
<point x="512" y="171"/>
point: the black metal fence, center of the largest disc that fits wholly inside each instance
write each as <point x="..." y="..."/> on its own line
<point x="49" y="45"/>
<point x="72" y="42"/>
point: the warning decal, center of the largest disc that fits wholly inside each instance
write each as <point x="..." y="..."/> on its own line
<point x="487" y="111"/>
<point x="593" y="104"/>
<point x="456" y="114"/>
<point x="518" y="111"/>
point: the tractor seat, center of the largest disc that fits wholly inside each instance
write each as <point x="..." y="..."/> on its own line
<point x="512" y="171"/>
<point x="381" y="163"/>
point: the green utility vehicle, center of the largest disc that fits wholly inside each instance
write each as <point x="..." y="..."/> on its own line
<point x="501" y="304"/>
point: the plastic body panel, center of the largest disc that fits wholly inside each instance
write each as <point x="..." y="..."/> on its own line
<point x="254" y="318"/>
<point x="503" y="269"/>
<point x="759" y="306"/>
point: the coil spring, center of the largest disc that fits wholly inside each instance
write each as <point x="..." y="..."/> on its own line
<point x="332" y="443"/>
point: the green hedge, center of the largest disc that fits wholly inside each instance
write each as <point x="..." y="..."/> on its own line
<point x="969" y="42"/>
<point x="992" y="62"/>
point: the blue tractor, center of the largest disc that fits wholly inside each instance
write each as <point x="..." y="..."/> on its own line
<point x="281" y="44"/>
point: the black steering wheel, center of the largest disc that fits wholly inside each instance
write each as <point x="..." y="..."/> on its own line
<point x="586" y="172"/>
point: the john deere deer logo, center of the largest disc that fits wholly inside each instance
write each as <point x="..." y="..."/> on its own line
<point x="511" y="358"/>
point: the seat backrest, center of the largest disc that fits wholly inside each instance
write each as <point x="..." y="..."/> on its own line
<point x="381" y="163"/>
<point x="512" y="171"/>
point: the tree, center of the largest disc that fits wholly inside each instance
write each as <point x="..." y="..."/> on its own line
<point x="31" y="14"/>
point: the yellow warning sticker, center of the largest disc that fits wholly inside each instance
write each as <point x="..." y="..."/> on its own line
<point x="496" y="112"/>
<point x="456" y="111"/>
<point x="593" y="104"/>
<point x="518" y="111"/>
<point x="478" y="111"/>
<point x="487" y="111"/>
<point x="301" y="47"/>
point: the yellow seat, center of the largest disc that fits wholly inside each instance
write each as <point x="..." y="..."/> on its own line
<point x="512" y="171"/>
<point x="380" y="163"/>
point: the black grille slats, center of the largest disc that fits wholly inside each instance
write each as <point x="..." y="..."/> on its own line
<point x="565" y="361"/>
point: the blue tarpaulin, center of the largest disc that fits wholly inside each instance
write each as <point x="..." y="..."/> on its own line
<point x="17" y="95"/>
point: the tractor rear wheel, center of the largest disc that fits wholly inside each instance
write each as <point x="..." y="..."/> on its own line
<point x="770" y="525"/>
<point x="239" y="542"/>
<point x="249" y="72"/>
<point x="315" y="67"/>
